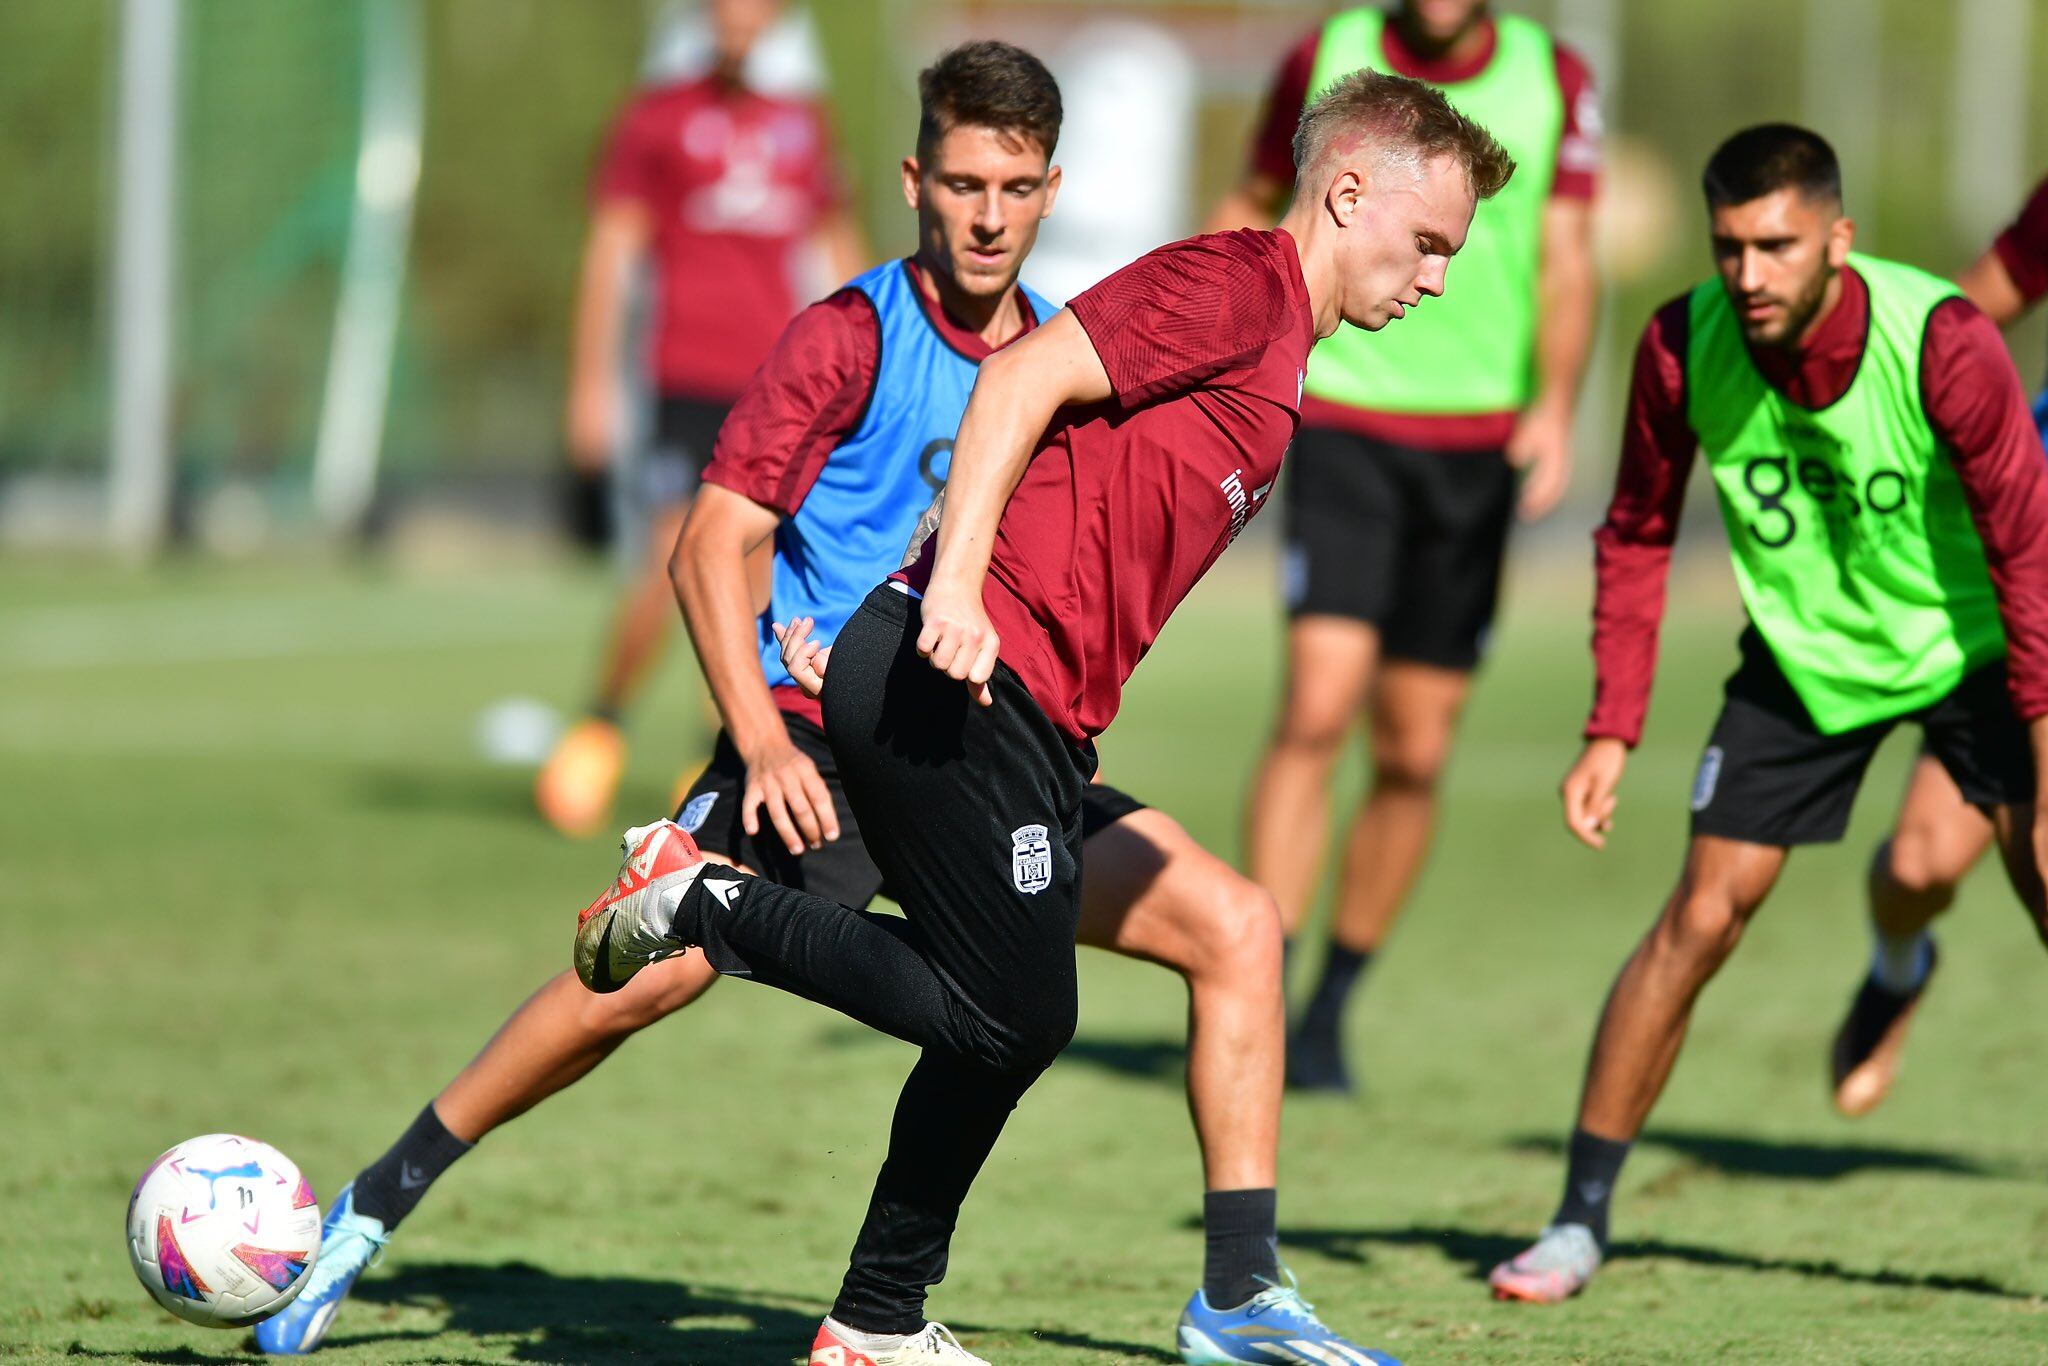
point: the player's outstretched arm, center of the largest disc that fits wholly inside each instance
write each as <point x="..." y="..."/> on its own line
<point x="1589" y="790"/>
<point x="618" y="234"/>
<point x="709" y="570"/>
<point x="1015" y="396"/>
<point x="1991" y="287"/>
<point x="1569" y="289"/>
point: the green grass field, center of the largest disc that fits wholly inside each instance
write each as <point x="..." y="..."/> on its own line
<point x="257" y="878"/>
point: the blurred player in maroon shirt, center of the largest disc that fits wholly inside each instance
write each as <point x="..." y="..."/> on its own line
<point x="724" y="188"/>
<point x="1938" y="836"/>
<point x="1402" y="487"/>
<point x="1104" y="462"/>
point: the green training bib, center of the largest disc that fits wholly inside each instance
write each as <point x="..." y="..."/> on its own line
<point x="1473" y="350"/>
<point x="1852" y="541"/>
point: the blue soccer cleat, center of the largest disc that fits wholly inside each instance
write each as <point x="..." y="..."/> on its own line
<point x="349" y="1243"/>
<point x="1276" y="1324"/>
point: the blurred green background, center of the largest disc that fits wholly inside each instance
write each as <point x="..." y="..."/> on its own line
<point x="518" y="93"/>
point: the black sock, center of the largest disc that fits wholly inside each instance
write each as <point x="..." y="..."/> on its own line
<point x="1591" y="1169"/>
<point x="1242" y="1245"/>
<point x="388" y="1188"/>
<point x="1341" y="971"/>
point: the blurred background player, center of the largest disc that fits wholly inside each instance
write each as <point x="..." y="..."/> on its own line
<point x="725" y="188"/>
<point x="1939" y="836"/>
<point x="1886" y="530"/>
<point x="1401" y="485"/>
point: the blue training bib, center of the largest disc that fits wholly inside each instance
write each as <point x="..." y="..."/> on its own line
<point x="850" y="532"/>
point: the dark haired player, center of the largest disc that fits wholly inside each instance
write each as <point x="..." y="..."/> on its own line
<point x="1103" y="463"/>
<point x="1938" y="836"/>
<point x="1402" y="486"/>
<point x="1886" y="535"/>
<point x="832" y="455"/>
<point x="723" y="187"/>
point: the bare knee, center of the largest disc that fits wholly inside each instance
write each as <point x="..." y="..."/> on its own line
<point x="1313" y="727"/>
<point x="1228" y="929"/>
<point x="1410" y="760"/>
<point x="1701" y="927"/>
<point x="1911" y="862"/>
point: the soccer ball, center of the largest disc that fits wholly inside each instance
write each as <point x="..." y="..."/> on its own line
<point x="223" y="1230"/>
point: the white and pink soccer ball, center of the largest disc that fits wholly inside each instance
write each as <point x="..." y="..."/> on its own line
<point x="223" y="1230"/>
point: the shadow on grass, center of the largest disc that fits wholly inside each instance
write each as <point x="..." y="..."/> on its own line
<point x="494" y="792"/>
<point x="1147" y="1059"/>
<point x="600" y="1319"/>
<point x="1788" y="1160"/>
<point x="1481" y="1250"/>
<point x="162" y="1356"/>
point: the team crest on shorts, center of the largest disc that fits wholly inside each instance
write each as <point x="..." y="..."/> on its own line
<point x="1708" y="777"/>
<point x="696" y="811"/>
<point x="1030" y="859"/>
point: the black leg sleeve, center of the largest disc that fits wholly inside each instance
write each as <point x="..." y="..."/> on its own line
<point x="868" y="966"/>
<point x="947" y="1120"/>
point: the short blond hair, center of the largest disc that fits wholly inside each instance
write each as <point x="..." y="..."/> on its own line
<point x="1412" y="123"/>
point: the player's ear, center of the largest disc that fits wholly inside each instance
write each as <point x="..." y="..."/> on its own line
<point x="1052" y="191"/>
<point x="1841" y="241"/>
<point x="913" y="181"/>
<point x="1345" y="196"/>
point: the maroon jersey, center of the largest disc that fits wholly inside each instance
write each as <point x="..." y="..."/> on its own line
<point x="733" y="184"/>
<point x="1577" y="177"/>
<point x="1976" y="409"/>
<point x="1126" y="503"/>
<point x="808" y="397"/>
<point x="2023" y="247"/>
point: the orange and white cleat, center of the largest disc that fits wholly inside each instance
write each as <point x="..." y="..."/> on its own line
<point x="1552" y="1269"/>
<point x="1865" y="1059"/>
<point x="576" y="785"/>
<point x="933" y="1345"/>
<point x="632" y="924"/>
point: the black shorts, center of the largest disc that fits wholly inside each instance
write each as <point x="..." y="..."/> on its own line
<point x="685" y="430"/>
<point x="842" y="870"/>
<point x="1409" y="541"/>
<point x="1769" y="776"/>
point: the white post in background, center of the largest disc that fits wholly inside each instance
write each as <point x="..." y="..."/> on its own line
<point x="1842" y="77"/>
<point x="1126" y="151"/>
<point x="373" y="267"/>
<point x="1987" y="159"/>
<point x="144" y="268"/>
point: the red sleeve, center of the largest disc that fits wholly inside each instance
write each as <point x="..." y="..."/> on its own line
<point x="1184" y="314"/>
<point x="2023" y="247"/>
<point x="1578" y="150"/>
<point x="1632" y="548"/>
<point x="626" y="171"/>
<point x="1979" y="410"/>
<point x="807" y="398"/>
<point x="1273" y="143"/>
